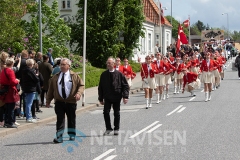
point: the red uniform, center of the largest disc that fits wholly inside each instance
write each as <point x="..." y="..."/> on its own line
<point x="160" y="67"/>
<point x="206" y="68"/>
<point x="178" y="67"/>
<point x="169" y="68"/>
<point x="144" y="70"/>
<point x="128" y="72"/>
<point x="119" y="68"/>
<point x="189" y="78"/>
<point x="194" y="63"/>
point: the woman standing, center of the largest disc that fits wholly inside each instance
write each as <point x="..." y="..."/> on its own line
<point x="29" y="84"/>
<point x="207" y="75"/>
<point x="167" y="72"/>
<point x="8" y="78"/>
<point x="148" y="70"/>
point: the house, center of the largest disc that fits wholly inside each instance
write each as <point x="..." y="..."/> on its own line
<point x="68" y="9"/>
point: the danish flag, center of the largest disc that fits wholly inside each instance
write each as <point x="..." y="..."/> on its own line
<point x="182" y="39"/>
<point x="186" y="23"/>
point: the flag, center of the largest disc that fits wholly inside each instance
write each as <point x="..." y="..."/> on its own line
<point x="162" y="17"/>
<point x="182" y="39"/>
<point x="186" y="23"/>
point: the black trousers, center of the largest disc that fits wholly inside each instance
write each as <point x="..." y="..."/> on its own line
<point x="238" y="71"/>
<point x="42" y="96"/>
<point x="106" y="112"/>
<point x="62" y="108"/>
<point x="2" y="113"/>
<point x="9" y="114"/>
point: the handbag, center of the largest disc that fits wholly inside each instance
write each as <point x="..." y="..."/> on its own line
<point x="4" y="88"/>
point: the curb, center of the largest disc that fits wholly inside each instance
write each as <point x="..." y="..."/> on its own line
<point x="9" y="131"/>
<point x="6" y="132"/>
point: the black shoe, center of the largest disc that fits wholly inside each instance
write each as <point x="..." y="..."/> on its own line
<point x="107" y="132"/>
<point x="40" y="111"/>
<point x="115" y="132"/>
<point x="222" y="78"/>
<point x="11" y="126"/>
<point x="59" y="140"/>
<point x="72" y="139"/>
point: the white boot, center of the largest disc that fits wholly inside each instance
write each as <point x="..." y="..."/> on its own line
<point x="158" y="96"/>
<point x="150" y="103"/>
<point x="193" y="94"/>
<point x="146" y="103"/>
<point x="175" y="90"/>
<point x="178" y="88"/>
<point x="164" y="97"/>
<point x="209" y="96"/>
<point x="167" y="96"/>
<point x="206" y="96"/>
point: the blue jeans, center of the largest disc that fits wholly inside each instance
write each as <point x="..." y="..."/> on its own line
<point x="29" y="97"/>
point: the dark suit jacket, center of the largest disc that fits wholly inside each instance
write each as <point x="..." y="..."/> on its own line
<point x="112" y="90"/>
<point x="45" y="69"/>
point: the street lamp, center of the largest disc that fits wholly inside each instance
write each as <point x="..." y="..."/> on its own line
<point x="160" y="26"/>
<point x="227" y="25"/>
<point x="84" y="49"/>
<point x="40" y="24"/>
<point x="171" y="12"/>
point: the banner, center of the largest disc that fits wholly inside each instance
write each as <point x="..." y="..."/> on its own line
<point x="212" y="34"/>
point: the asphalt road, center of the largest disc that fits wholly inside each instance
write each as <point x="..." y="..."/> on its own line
<point x="180" y="127"/>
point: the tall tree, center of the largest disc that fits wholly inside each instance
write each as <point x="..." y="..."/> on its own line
<point x="200" y="25"/>
<point x="55" y="32"/>
<point x="107" y="22"/>
<point x="11" y="31"/>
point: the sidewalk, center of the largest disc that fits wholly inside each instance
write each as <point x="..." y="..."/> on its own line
<point x="48" y="114"/>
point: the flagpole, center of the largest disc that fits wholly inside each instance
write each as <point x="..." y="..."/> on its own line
<point x="160" y="26"/>
<point x="189" y="30"/>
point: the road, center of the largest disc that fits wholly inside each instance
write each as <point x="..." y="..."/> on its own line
<point x="180" y="127"/>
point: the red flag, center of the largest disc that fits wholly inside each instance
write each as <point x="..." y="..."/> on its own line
<point x="186" y="23"/>
<point x="182" y="39"/>
<point x="162" y="17"/>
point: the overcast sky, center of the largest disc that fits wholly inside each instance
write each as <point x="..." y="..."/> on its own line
<point x="207" y="11"/>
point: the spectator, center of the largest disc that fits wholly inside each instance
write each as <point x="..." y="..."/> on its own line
<point x="56" y="66"/>
<point x="29" y="83"/>
<point x="237" y="65"/>
<point x="49" y="54"/>
<point x="38" y="58"/>
<point x="46" y="70"/>
<point x="112" y="88"/>
<point x="8" y="78"/>
<point x="66" y="89"/>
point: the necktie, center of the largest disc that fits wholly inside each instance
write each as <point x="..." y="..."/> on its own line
<point x="63" y="87"/>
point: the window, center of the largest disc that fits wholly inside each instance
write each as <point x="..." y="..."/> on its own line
<point x="143" y="45"/>
<point x="149" y="41"/>
<point x="167" y="39"/>
<point x="66" y="4"/>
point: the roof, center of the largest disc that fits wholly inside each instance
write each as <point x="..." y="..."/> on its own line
<point x="151" y="12"/>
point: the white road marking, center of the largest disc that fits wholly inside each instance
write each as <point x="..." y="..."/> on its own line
<point x="144" y="129"/>
<point x="202" y="90"/>
<point x="174" y="110"/>
<point x="192" y="98"/>
<point x="181" y="109"/>
<point x="110" y="157"/>
<point x="157" y="126"/>
<point x="104" y="154"/>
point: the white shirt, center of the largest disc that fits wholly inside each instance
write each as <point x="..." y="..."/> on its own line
<point x="67" y="83"/>
<point x="117" y="68"/>
<point x="208" y="62"/>
<point x="149" y="67"/>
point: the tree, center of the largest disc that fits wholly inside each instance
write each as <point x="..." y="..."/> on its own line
<point x="107" y="22"/>
<point x="201" y="26"/>
<point x="194" y="30"/>
<point x="11" y="31"/>
<point x="55" y="32"/>
<point x="133" y="25"/>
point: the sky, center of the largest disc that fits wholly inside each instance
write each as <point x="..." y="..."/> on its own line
<point x="207" y="11"/>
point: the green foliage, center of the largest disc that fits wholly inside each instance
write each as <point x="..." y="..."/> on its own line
<point x="55" y="32"/>
<point x="194" y="30"/>
<point x="236" y="36"/>
<point x="135" y="66"/>
<point x="11" y="32"/>
<point x="77" y="61"/>
<point x="200" y="26"/>
<point x="106" y="20"/>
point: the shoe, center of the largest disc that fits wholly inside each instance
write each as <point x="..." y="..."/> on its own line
<point x="164" y="97"/>
<point x="31" y="120"/>
<point x="150" y="105"/>
<point x="72" y="138"/>
<point x="115" y="132"/>
<point x="239" y="78"/>
<point x="17" y="124"/>
<point x="40" y="111"/>
<point x="11" y="126"/>
<point x="222" y="78"/>
<point x="59" y="140"/>
<point x="35" y="117"/>
<point x="146" y="107"/>
<point x="107" y="132"/>
<point x="167" y="96"/>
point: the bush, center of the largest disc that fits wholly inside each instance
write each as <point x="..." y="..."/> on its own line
<point x="135" y="66"/>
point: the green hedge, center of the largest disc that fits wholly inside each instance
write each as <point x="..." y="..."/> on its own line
<point x="93" y="74"/>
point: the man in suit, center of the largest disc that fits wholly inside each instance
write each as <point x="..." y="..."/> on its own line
<point x="112" y="88"/>
<point x="66" y="88"/>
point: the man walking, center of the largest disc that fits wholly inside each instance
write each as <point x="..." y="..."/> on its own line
<point x="112" y="88"/>
<point x="66" y="88"/>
